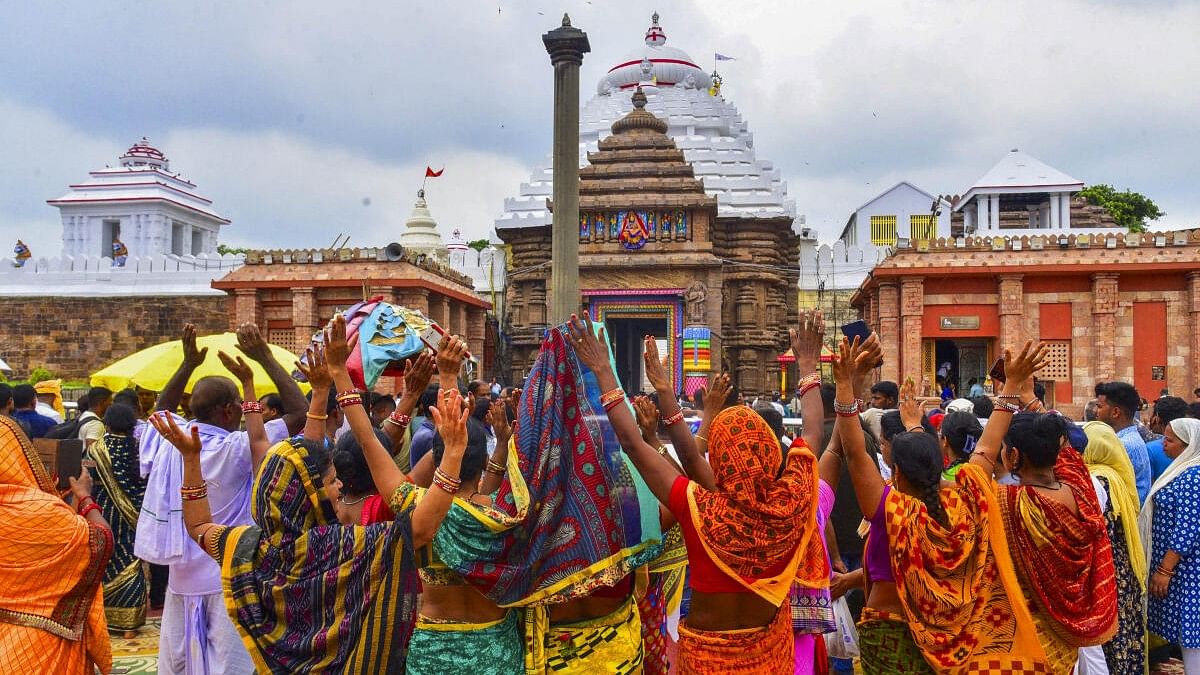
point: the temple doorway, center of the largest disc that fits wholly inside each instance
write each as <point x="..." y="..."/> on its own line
<point x="626" y="336"/>
<point x="957" y="362"/>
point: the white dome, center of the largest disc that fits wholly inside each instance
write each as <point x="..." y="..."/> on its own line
<point x="655" y="63"/>
<point x="420" y="231"/>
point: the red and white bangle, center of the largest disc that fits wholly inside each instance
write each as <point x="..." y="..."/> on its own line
<point x="249" y="407"/>
<point x="808" y="383"/>
<point x="848" y="409"/>
<point x="674" y="419"/>
<point x="349" y="398"/>
<point x="88" y="509"/>
<point x="611" y="398"/>
<point x="401" y="421"/>
<point x="446" y="482"/>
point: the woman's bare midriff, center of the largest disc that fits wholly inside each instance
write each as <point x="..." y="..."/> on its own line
<point x="729" y="611"/>
<point x="882" y="596"/>
<point x="584" y="609"/>
<point x="458" y="603"/>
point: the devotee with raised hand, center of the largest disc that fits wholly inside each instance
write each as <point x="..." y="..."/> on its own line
<point x="1056" y="530"/>
<point x="197" y="635"/>
<point x="275" y="573"/>
<point x="1110" y="467"/>
<point x="52" y="560"/>
<point x="1170" y="530"/>
<point x="747" y="538"/>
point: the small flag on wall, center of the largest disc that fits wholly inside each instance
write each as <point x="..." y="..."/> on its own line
<point x="430" y="173"/>
<point x="722" y="57"/>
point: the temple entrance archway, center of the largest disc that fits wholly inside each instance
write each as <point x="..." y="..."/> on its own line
<point x="626" y="334"/>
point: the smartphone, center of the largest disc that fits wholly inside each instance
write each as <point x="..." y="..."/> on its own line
<point x="859" y="329"/>
<point x="997" y="371"/>
<point x="432" y="337"/>
<point x="68" y="461"/>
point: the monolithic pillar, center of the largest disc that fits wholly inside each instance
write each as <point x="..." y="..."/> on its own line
<point x="1011" y="309"/>
<point x="889" y="329"/>
<point x="1193" y="362"/>
<point x="304" y="315"/>
<point x="912" y="311"/>
<point x="1104" y="322"/>
<point x="566" y="46"/>
<point x="246" y="308"/>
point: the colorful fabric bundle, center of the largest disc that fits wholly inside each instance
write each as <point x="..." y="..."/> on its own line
<point x="387" y="335"/>
<point x="759" y="529"/>
<point x="956" y="582"/>
<point x="357" y="585"/>
<point x="51" y="567"/>
<point x="1065" y="560"/>
<point x="118" y="490"/>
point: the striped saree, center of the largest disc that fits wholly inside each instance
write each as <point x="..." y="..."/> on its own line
<point x="119" y="488"/>
<point x="308" y="594"/>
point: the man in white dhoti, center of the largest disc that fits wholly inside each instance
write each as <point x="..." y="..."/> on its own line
<point x="198" y="637"/>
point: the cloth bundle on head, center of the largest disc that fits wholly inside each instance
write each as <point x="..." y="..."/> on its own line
<point x="1105" y="456"/>
<point x="1187" y="429"/>
<point x="357" y="585"/>
<point x="54" y="388"/>
<point x="755" y="525"/>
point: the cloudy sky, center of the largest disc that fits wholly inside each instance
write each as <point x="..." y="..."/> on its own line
<point x="303" y="119"/>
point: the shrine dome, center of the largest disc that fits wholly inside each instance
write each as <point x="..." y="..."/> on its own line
<point x="654" y="63"/>
<point x="144" y="154"/>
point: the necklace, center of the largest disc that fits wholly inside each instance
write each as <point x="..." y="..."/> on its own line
<point x="342" y="500"/>
<point x="1043" y="485"/>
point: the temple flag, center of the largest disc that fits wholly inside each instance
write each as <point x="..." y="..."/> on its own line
<point x="722" y="57"/>
<point x="430" y="173"/>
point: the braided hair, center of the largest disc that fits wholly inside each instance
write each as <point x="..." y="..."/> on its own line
<point x="919" y="458"/>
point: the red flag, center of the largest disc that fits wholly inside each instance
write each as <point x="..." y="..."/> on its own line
<point x="430" y="173"/>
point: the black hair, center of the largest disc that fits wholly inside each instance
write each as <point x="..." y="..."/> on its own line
<point x="1122" y="395"/>
<point x="828" y="396"/>
<point x="887" y="388"/>
<point x="772" y="417"/>
<point x="735" y="396"/>
<point x="918" y="457"/>
<point x="98" y="395"/>
<point x="972" y="381"/>
<point x="351" y="464"/>
<point x="120" y="418"/>
<point x="957" y="427"/>
<point x="318" y="460"/>
<point x="1195" y="408"/>
<point x="475" y="455"/>
<point x="698" y="398"/>
<point x="1170" y="408"/>
<point x="127" y="397"/>
<point x="330" y="403"/>
<point x="482" y="407"/>
<point x="275" y="401"/>
<point x="429" y="399"/>
<point x="387" y="401"/>
<point x="1038" y="436"/>
<point x="983" y="407"/>
<point x="891" y="425"/>
<point x="6" y="394"/>
<point x="1039" y="391"/>
<point x="24" y="395"/>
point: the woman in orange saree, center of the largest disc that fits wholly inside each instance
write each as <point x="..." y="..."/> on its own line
<point x="52" y="564"/>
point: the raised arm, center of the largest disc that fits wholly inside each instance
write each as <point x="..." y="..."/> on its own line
<point x="416" y="378"/>
<point x="452" y="425"/>
<point x="855" y="359"/>
<point x="85" y="505"/>
<point x="671" y="413"/>
<point x="256" y="429"/>
<point x="648" y="416"/>
<point x="806" y="347"/>
<point x="593" y="352"/>
<point x="449" y="362"/>
<point x="316" y="371"/>
<point x="384" y="472"/>
<point x="252" y="344"/>
<point x="169" y="397"/>
<point x="1019" y="372"/>
<point x="694" y="463"/>
<point x="197" y="515"/>
<point x="497" y="465"/>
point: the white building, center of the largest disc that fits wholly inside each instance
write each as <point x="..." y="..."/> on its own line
<point x="1019" y="195"/>
<point x="420" y="231"/>
<point x="141" y="202"/>
<point x="903" y="211"/>
<point x="709" y="130"/>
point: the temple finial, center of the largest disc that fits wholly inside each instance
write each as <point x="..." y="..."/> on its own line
<point x="566" y="20"/>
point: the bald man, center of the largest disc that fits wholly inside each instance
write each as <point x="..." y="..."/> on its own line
<point x="197" y="635"/>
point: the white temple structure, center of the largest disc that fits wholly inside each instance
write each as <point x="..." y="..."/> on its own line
<point x="1039" y="193"/>
<point x="421" y="232"/>
<point x="143" y="204"/>
<point x="714" y="138"/>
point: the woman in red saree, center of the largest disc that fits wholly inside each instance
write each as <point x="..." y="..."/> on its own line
<point x="52" y="564"/>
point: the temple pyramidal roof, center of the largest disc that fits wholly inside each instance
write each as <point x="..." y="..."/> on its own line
<point x="710" y="132"/>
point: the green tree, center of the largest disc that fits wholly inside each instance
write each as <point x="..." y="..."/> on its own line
<point x="40" y="374"/>
<point x="479" y="244"/>
<point x="223" y="249"/>
<point x="1130" y="209"/>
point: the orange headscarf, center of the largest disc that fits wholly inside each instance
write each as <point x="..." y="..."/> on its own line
<point x="51" y="568"/>
<point x="759" y="522"/>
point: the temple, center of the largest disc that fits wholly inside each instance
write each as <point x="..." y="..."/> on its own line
<point x="706" y="267"/>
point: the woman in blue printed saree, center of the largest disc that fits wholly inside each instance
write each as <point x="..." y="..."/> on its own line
<point x="119" y="490"/>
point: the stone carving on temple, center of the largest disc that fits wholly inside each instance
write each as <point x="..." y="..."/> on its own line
<point x="694" y="298"/>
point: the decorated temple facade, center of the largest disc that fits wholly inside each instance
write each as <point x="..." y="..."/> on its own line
<point x="656" y="257"/>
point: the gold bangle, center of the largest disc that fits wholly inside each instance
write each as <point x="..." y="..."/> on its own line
<point x="315" y="416"/>
<point x="662" y="450"/>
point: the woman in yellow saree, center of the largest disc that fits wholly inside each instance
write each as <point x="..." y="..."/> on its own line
<point x="52" y="563"/>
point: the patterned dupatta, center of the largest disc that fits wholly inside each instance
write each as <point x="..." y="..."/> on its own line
<point x="311" y="595"/>
<point x="759" y="529"/>
<point x="1065" y="560"/>
<point x="960" y="593"/>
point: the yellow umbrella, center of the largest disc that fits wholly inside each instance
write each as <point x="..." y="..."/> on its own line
<point x="152" y="367"/>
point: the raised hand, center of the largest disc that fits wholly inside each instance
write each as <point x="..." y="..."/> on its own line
<point x="869" y="358"/>
<point x="910" y="410"/>
<point x="451" y="354"/>
<point x="1022" y="367"/>
<point x="716" y="395"/>
<point x="252" y="344"/>
<point x="497" y="417"/>
<point x="337" y="349"/>
<point x="844" y="366"/>
<point x="450" y="418"/>
<point x="417" y="374"/>
<point x="187" y="444"/>
<point x="236" y="367"/>
<point x="647" y="418"/>
<point x="591" y="347"/>
<point x="192" y="357"/>
<point x="316" y="370"/>
<point x="806" y="340"/>
<point x="656" y="369"/>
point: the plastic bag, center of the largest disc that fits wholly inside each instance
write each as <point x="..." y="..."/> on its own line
<point x="843" y="642"/>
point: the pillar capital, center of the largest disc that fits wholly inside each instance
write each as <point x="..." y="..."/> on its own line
<point x="566" y="44"/>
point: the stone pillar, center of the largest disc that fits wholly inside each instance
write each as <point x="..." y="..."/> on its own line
<point x="476" y="326"/>
<point x="983" y="222"/>
<point x="1193" y="308"/>
<point x="566" y="46"/>
<point x="459" y="320"/>
<point x="912" y="310"/>
<point x="994" y="212"/>
<point x="1054" y="219"/>
<point x="889" y="330"/>
<point x="246" y="308"/>
<point x="439" y="311"/>
<point x="304" y="314"/>
<point x="1066" y="210"/>
<point x="1104" y="323"/>
<point x="1011" y="308"/>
